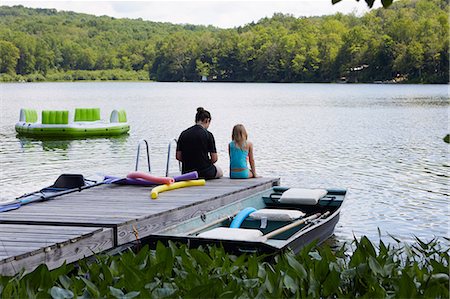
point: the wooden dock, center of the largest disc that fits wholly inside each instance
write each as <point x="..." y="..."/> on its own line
<point x="79" y="224"/>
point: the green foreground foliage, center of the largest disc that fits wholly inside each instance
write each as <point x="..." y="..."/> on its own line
<point x="383" y="271"/>
<point x="406" y="42"/>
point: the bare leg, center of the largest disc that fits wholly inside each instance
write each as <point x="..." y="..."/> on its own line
<point x="219" y="172"/>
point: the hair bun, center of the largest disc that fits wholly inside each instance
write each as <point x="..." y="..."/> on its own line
<point x="200" y="109"/>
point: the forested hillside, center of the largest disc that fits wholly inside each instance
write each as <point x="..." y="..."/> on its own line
<point x="407" y="42"/>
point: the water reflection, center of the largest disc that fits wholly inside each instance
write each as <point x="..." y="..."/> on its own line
<point x="117" y="143"/>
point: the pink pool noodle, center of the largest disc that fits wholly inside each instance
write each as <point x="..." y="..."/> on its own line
<point x="150" y="178"/>
<point x="128" y="181"/>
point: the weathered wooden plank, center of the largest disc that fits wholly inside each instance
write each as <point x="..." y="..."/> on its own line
<point x="112" y="205"/>
<point x="44" y="228"/>
<point x="32" y="254"/>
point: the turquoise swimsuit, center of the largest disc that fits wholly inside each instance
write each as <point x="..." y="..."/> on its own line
<point x="238" y="159"/>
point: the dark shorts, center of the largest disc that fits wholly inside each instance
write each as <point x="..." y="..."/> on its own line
<point x="208" y="173"/>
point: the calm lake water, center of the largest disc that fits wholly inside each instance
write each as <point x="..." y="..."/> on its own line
<point x="381" y="142"/>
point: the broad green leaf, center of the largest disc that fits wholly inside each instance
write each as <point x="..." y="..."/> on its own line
<point x="269" y="286"/>
<point x="440" y="277"/>
<point x="65" y="281"/>
<point x="375" y="266"/>
<point x="131" y="295"/>
<point x="252" y="267"/>
<point x="201" y="257"/>
<point x="92" y="288"/>
<point x="315" y="255"/>
<point x="58" y="293"/>
<point x="331" y="284"/>
<point x="407" y="289"/>
<point x="368" y="246"/>
<point x="290" y="283"/>
<point x="116" y="292"/>
<point x="299" y="269"/>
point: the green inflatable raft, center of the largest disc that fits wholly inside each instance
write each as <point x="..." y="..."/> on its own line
<point x="86" y="122"/>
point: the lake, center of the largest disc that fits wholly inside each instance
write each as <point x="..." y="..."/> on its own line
<point x="381" y="142"/>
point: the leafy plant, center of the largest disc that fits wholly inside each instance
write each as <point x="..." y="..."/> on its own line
<point x="360" y="269"/>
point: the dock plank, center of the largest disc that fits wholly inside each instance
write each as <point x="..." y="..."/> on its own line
<point x="112" y="205"/>
<point x="105" y="216"/>
<point x="28" y="246"/>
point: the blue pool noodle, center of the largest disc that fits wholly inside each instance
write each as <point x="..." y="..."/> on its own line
<point x="240" y="217"/>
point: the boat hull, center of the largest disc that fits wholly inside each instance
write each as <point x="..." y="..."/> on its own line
<point x="294" y="239"/>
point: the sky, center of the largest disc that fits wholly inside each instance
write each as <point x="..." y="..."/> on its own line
<point x="223" y="14"/>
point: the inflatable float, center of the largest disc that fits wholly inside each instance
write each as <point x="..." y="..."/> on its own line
<point x="86" y="122"/>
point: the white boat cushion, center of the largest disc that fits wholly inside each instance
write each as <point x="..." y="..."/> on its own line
<point x="227" y="233"/>
<point x="277" y="214"/>
<point x="302" y="196"/>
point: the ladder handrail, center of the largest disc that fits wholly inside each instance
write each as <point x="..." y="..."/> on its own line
<point x="138" y="152"/>
<point x="168" y="156"/>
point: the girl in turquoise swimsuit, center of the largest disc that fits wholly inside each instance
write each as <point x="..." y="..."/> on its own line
<point x="241" y="151"/>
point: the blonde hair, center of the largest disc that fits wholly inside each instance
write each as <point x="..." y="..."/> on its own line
<point x="239" y="135"/>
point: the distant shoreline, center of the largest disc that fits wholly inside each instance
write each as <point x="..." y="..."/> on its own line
<point x="224" y="82"/>
<point x="120" y="75"/>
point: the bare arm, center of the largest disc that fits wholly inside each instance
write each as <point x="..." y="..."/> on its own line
<point x="214" y="157"/>
<point x="251" y="160"/>
<point x="179" y="156"/>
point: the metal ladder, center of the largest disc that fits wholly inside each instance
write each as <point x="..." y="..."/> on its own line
<point x="138" y="153"/>
<point x="168" y="156"/>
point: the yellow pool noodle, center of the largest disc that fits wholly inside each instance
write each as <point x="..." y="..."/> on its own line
<point x="165" y="187"/>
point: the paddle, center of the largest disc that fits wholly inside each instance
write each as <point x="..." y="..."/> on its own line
<point x="17" y="203"/>
<point x="311" y="223"/>
<point x="292" y="225"/>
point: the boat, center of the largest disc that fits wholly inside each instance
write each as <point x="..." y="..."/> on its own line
<point x="268" y="222"/>
<point x="86" y="122"/>
<point x="64" y="184"/>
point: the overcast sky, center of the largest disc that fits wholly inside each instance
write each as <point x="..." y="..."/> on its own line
<point x="224" y="14"/>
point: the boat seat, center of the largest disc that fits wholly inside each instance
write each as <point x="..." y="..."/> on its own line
<point x="277" y="214"/>
<point x="302" y="196"/>
<point x="236" y="234"/>
<point x="28" y="115"/>
<point x="55" y="117"/>
<point x="118" y="116"/>
<point x="87" y="114"/>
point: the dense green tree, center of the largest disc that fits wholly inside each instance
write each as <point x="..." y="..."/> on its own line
<point x="9" y="54"/>
<point x="407" y="41"/>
